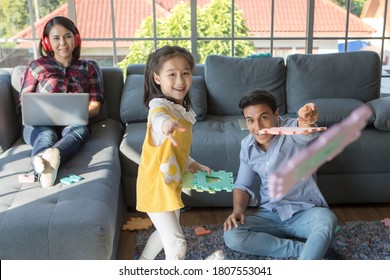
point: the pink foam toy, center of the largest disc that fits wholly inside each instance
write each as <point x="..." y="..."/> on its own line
<point x="290" y="130"/>
<point x="386" y="222"/>
<point x="328" y="145"/>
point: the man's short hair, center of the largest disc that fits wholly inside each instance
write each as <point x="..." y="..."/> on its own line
<point x="258" y="96"/>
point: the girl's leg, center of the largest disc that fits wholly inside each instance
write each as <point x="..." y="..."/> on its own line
<point x="171" y="235"/>
<point x="152" y="247"/>
<point x="73" y="137"/>
<point x="317" y="226"/>
<point x="263" y="234"/>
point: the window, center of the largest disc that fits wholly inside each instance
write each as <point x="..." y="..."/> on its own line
<point x="125" y="31"/>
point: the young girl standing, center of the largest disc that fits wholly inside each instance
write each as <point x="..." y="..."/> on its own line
<point x="166" y="148"/>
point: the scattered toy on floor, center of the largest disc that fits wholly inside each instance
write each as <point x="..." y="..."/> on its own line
<point x="386" y="222"/>
<point x="137" y="224"/>
<point x="201" y="230"/>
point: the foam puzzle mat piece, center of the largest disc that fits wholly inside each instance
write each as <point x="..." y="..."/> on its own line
<point x="137" y="224"/>
<point x="188" y="181"/>
<point x="201" y="230"/>
<point x="290" y="130"/>
<point x="386" y="222"/>
<point x="201" y="181"/>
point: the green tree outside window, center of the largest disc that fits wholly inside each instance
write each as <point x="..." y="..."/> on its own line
<point x="214" y="20"/>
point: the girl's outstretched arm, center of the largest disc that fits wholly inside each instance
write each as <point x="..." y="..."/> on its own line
<point x="169" y="126"/>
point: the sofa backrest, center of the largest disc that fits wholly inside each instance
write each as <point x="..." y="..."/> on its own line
<point x="132" y="108"/>
<point x="228" y="79"/>
<point x="339" y="75"/>
<point x="139" y="69"/>
<point x="337" y="83"/>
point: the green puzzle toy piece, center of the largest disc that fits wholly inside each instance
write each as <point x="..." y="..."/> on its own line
<point x="188" y="181"/>
<point x="201" y="181"/>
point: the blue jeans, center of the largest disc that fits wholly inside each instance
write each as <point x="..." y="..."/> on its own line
<point x="305" y="236"/>
<point x="67" y="139"/>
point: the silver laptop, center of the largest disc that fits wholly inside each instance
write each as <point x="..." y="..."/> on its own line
<point x="55" y="109"/>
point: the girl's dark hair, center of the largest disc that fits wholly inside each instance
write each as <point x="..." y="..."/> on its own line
<point x="258" y="96"/>
<point x="154" y="64"/>
<point x="68" y="24"/>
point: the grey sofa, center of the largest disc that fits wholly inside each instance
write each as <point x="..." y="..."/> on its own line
<point x="82" y="221"/>
<point x="78" y="221"/>
<point x="337" y="83"/>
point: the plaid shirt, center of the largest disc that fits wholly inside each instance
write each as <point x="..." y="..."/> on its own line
<point x="45" y="74"/>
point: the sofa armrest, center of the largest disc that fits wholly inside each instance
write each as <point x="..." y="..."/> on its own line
<point x="9" y="124"/>
<point x="381" y="109"/>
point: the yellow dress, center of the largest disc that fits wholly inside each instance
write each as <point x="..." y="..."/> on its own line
<point x="161" y="168"/>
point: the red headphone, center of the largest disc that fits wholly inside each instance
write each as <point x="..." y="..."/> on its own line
<point x="46" y="46"/>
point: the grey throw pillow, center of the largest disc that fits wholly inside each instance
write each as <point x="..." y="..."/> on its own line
<point x="228" y="79"/>
<point x="132" y="108"/>
<point x="198" y="94"/>
<point x="16" y="80"/>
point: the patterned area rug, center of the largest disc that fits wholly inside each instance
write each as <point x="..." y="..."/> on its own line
<point x="352" y="240"/>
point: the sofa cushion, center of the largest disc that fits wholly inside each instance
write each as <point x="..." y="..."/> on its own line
<point x="133" y="110"/>
<point x="113" y="88"/>
<point x="337" y="75"/>
<point x="16" y="80"/>
<point x="228" y="79"/>
<point x="78" y="221"/>
<point x="334" y="110"/>
<point x="381" y="108"/>
<point x="198" y="94"/>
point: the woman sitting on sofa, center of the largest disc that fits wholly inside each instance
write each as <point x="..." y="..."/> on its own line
<point x="59" y="69"/>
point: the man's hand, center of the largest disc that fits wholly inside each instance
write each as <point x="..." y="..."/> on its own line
<point x="233" y="219"/>
<point x="307" y="115"/>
